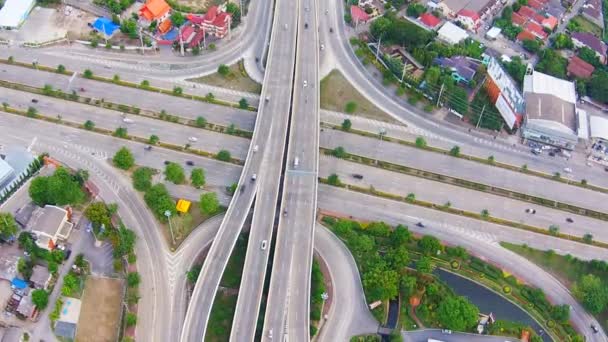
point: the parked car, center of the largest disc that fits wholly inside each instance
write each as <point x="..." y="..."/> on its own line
<point x="536" y="151"/>
<point x="569" y="220"/>
<point x="190" y="163"/>
<point x="357" y="176"/>
<point x="420" y="224"/>
<point x="35" y="100"/>
<point x="567" y="170"/>
<point x="192" y="139"/>
<point x="67" y="254"/>
<point x="167" y="162"/>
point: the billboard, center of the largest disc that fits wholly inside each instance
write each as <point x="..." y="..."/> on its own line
<point x="503" y="91"/>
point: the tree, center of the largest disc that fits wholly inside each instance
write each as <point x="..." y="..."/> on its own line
<point x="145" y="84"/>
<point x="223" y="70"/>
<point x="32" y="112"/>
<point x="554" y="229"/>
<point x="507" y="13"/>
<point x="133" y="279"/>
<point x="380" y="282"/>
<point x="209" y="204"/>
<point x="197" y="177"/>
<point x="589" y="56"/>
<point x="40" y="298"/>
<point x="131" y="319"/>
<point x="561" y="313"/>
<point x="89" y="125"/>
<point x="153" y="140"/>
<point x="414" y="10"/>
<point x="562" y="41"/>
<point x="60" y="69"/>
<point x="235" y="11"/>
<point x="552" y="63"/>
<point x="420" y="142"/>
<point x="597" y="88"/>
<point x="411" y="197"/>
<point x="201" y="121"/>
<point x="129" y="27"/>
<point x="423" y="265"/>
<point x="485" y="213"/>
<point x="142" y="178"/>
<point x="531" y="45"/>
<point x="8" y="226"/>
<point x="333" y="179"/>
<point x="177" y="18"/>
<point x="588" y="238"/>
<point x="120" y="132"/>
<point x="123" y="159"/>
<point x="223" y="155"/>
<point x="592" y="293"/>
<point x="346" y="125"/>
<point x="457" y="313"/>
<point x="339" y="152"/>
<point x="88" y="73"/>
<point x="398" y="257"/>
<point x="98" y="214"/>
<point x="58" y="189"/>
<point x="70" y="284"/>
<point x="380" y="26"/>
<point x="193" y="274"/>
<point x="175" y="173"/>
<point x="429" y="245"/>
<point x="400" y="236"/>
<point x="458" y="100"/>
<point x="351" y="107"/>
<point x="243" y="104"/>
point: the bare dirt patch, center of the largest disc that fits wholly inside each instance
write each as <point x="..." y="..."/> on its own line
<point x="100" y="313"/>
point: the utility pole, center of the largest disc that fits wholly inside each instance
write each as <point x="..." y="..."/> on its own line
<point x="440" y="92"/>
<point x="403" y="73"/>
<point x="168" y="215"/>
<point x="141" y="40"/>
<point x="378" y="47"/>
<point x="480" y="116"/>
<point x="181" y="41"/>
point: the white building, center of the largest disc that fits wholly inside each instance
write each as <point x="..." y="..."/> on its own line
<point x="50" y="224"/>
<point x="6" y="172"/>
<point x="451" y="34"/>
<point x="551" y="115"/>
<point x="15" y="12"/>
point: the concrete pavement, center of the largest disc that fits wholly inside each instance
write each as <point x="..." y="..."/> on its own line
<point x="424" y="335"/>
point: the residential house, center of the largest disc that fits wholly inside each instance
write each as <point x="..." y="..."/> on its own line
<point x="470" y="19"/>
<point x="536" y="30"/>
<point x="549" y="22"/>
<point x="410" y="64"/>
<point x="518" y="20"/>
<point x="525" y="35"/>
<point x="68" y="318"/>
<point x="451" y="34"/>
<point x="358" y="15"/>
<point x="26" y="307"/>
<point x="216" y="22"/>
<point x="50" y="225"/>
<point x="592" y="10"/>
<point x="155" y="10"/>
<point x="40" y="277"/>
<point x="429" y="20"/>
<point x="587" y="39"/>
<point x="482" y="8"/>
<point x="579" y="68"/>
<point x="463" y="68"/>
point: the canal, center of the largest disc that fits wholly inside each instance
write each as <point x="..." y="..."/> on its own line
<point x="487" y="301"/>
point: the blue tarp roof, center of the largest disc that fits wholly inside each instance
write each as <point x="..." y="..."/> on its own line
<point x="19" y="283"/>
<point x="171" y="35"/>
<point x="105" y="26"/>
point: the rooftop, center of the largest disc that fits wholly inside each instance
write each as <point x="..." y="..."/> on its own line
<point x="47" y="220"/>
<point x="358" y="14"/>
<point x="26" y="306"/>
<point x="599" y="127"/>
<point x="540" y="83"/>
<point x="429" y="20"/>
<point x="70" y="311"/>
<point x="452" y="33"/>
<point x="464" y="66"/>
<point x="590" y="41"/>
<point x="40" y="275"/>
<point x="552" y="110"/>
<point x="8" y="267"/>
<point x="579" y="68"/>
<point x="13" y="12"/>
<point x="465" y="12"/>
<point x="154" y="9"/>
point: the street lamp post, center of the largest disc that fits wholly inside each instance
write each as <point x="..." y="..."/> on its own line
<point x="168" y="215"/>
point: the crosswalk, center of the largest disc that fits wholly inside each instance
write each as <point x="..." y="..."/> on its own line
<point x="498" y="145"/>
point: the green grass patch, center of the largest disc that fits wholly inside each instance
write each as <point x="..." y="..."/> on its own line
<point x="220" y="319"/>
<point x="587" y="26"/>
<point x="236" y="79"/>
<point x="234" y="268"/>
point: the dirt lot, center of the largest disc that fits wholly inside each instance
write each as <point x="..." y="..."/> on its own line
<point x="100" y="313"/>
<point x="199" y="5"/>
<point x="336" y="92"/>
<point x="237" y="79"/>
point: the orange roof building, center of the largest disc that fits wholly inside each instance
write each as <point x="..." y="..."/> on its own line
<point x="154" y="10"/>
<point x="165" y="26"/>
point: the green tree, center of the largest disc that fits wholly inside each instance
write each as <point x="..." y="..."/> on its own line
<point x="380" y="282"/>
<point x="414" y="10"/>
<point x="457" y="313"/>
<point x="339" y="152"/>
<point x="177" y="18"/>
<point x="178" y="91"/>
<point x="235" y="11"/>
<point x="142" y="178"/>
<point x="223" y="70"/>
<point x="420" y="142"/>
<point x="123" y="159"/>
<point x="588" y="238"/>
<point x="175" y="173"/>
<point x="597" y="88"/>
<point x="121" y="132"/>
<point x="8" y="226"/>
<point x="153" y="140"/>
<point x="562" y="41"/>
<point x="592" y="293"/>
<point x="429" y="245"/>
<point x="333" y="179"/>
<point x="130" y="319"/>
<point x="98" y="214"/>
<point x="223" y="155"/>
<point x="193" y="274"/>
<point x="32" y="112"/>
<point x="554" y="229"/>
<point x="398" y="257"/>
<point x="88" y="73"/>
<point x="60" y="69"/>
<point x="346" y="125"/>
<point x="552" y="63"/>
<point x="589" y="56"/>
<point x="458" y="100"/>
<point x="423" y="265"/>
<point x="350" y="107"/>
<point x="243" y="104"/>
<point x="531" y="45"/>
<point x="380" y="27"/>
<point x="197" y="177"/>
<point x="411" y="197"/>
<point x="145" y="84"/>
<point x="209" y="204"/>
<point x="40" y="298"/>
<point x="71" y="283"/>
<point x="485" y="213"/>
<point x="400" y="236"/>
<point x="201" y="121"/>
<point x="89" y="125"/>
<point x="507" y="13"/>
<point x="58" y="189"/>
<point x="561" y="313"/>
<point x="133" y="279"/>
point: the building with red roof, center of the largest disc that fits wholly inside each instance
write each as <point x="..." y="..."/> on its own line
<point x="470" y="19"/>
<point x="536" y="4"/>
<point x="358" y="15"/>
<point x="155" y="10"/>
<point x="527" y="12"/>
<point x="550" y="22"/>
<point x="525" y="35"/>
<point x="429" y="20"/>
<point x="187" y="33"/>
<point x="198" y="38"/>
<point x="579" y="68"/>
<point x="216" y="22"/>
<point x="536" y="30"/>
<point x="518" y="20"/>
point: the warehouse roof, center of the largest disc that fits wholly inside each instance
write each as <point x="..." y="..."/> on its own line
<point x="599" y="127"/>
<point x="540" y="83"/>
<point x="14" y="11"/>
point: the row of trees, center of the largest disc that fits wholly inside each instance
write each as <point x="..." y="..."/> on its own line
<point x="61" y="188"/>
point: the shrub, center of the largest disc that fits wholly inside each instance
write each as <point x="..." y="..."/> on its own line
<point x="333" y="179"/>
<point x="243" y="104"/>
<point x="351" y="107"/>
<point x="339" y="152"/>
<point x="455" y="151"/>
<point x="142" y="178"/>
<point x="88" y="73"/>
<point x="455" y="264"/>
<point x="223" y="155"/>
<point x="506" y="289"/>
<point x="420" y="142"/>
<point x="223" y="69"/>
<point x="89" y="125"/>
<point x="346" y="125"/>
<point x="123" y="159"/>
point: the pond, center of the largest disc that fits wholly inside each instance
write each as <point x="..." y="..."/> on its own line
<point x="487" y="301"/>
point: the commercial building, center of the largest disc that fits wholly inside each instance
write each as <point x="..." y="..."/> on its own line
<point x="505" y="95"/>
<point x="586" y="39"/>
<point x="451" y="34"/>
<point x="551" y="115"/>
<point x="50" y="225"/>
<point x="14" y="13"/>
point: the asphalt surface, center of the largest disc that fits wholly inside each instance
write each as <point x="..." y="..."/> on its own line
<point x="349" y="314"/>
<point x="424" y="335"/>
<point x="461" y="168"/>
<point x="269" y="136"/>
<point x="480" y="238"/>
<point x="462" y="198"/>
<point x="139" y="126"/>
<point x="142" y="99"/>
<point x="288" y="308"/>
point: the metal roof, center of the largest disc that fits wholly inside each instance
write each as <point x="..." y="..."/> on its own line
<point x="14" y="12"/>
<point x="540" y="83"/>
<point x="599" y="127"/>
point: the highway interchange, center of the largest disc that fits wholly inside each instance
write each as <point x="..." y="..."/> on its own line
<point x="165" y="314"/>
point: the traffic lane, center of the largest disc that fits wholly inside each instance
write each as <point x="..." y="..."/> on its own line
<point x="424" y="335"/>
<point x="142" y="99"/>
<point x="348" y="315"/>
<point x="104" y="147"/>
<point x="465" y="169"/>
<point x="139" y="126"/>
<point x="480" y="238"/>
<point x="462" y="198"/>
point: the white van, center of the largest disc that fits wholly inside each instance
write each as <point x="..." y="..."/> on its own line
<point x="296" y="162"/>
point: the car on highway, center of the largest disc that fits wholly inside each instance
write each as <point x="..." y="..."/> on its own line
<point x="551" y="154"/>
<point x="569" y="220"/>
<point x="305" y="25"/>
<point x="446" y="331"/>
<point x="148" y="147"/>
<point x="420" y="224"/>
<point x="331" y="30"/>
<point x="567" y="170"/>
<point x="307" y="9"/>
<point x="254" y="177"/>
<point x="536" y="151"/>
<point x="128" y="121"/>
<point x="285" y="27"/>
<point x="35" y="100"/>
<point x="189" y="163"/>
<point x="595" y="329"/>
<point x="357" y="176"/>
<point x="167" y="162"/>
<point x="305" y="83"/>
<point x="192" y="139"/>
<point x="67" y="254"/>
<point x="270" y="334"/>
<point x="322" y="47"/>
<point x="264" y="245"/>
<point x="255" y="148"/>
<point x="296" y="162"/>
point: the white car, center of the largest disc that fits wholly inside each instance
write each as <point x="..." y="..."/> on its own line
<point x="322" y="47"/>
<point x="255" y="148"/>
<point x="305" y="83"/>
<point x="128" y="121"/>
<point x="296" y="162"/>
<point x="263" y="245"/>
<point x="567" y="170"/>
<point x="192" y="139"/>
<point x="254" y="177"/>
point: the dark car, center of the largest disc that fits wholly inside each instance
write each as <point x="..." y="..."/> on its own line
<point x="595" y="329"/>
<point x="552" y="154"/>
<point x="420" y="224"/>
<point x="569" y="220"/>
<point x="167" y="162"/>
<point x="305" y="25"/>
<point x="190" y="163"/>
<point x="357" y="176"/>
<point x="35" y="100"/>
<point x="67" y="254"/>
